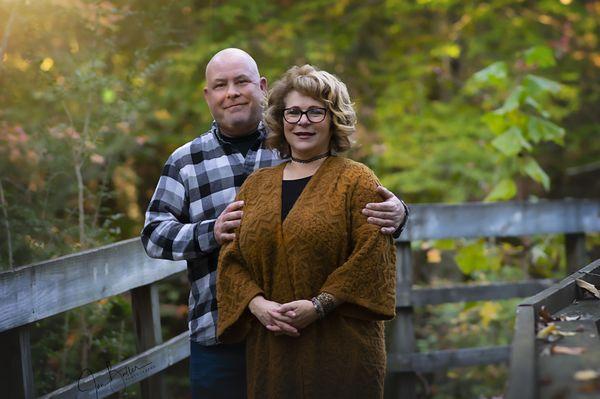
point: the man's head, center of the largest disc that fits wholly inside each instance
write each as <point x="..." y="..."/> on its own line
<point x="234" y="92"/>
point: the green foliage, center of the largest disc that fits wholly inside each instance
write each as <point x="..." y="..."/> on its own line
<point x="477" y="257"/>
<point x="522" y="122"/>
<point x="511" y="142"/>
<point x="462" y="325"/>
<point x="495" y="75"/>
<point x="533" y="170"/>
<point x="62" y="344"/>
<point x="540" y="56"/>
<point x="504" y="190"/>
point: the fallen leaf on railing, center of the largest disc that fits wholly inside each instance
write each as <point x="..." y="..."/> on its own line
<point x="567" y="350"/>
<point x="586" y="375"/>
<point x="564" y="317"/>
<point x="543" y="334"/>
<point x="545" y="315"/>
<point x="592" y="386"/>
<point x="588" y="287"/>
<point x="551" y="333"/>
<point x="565" y="333"/>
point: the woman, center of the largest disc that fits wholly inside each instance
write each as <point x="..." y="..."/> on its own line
<point x="307" y="280"/>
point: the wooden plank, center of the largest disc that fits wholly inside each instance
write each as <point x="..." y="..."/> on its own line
<point x="501" y="219"/>
<point x="447" y="359"/>
<point x="575" y="252"/>
<point x="402" y="339"/>
<point x="556" y="372"/>
<point x="476" y="292"/>
<point x="145" y="304"/>
<point x="524" y="367"/>
<point x="35" y="292"/>
<point x="522" y="379"/>
<point x="16" y="371"/>
<point x="118" y="377"/>
<point x="562" y="294"/>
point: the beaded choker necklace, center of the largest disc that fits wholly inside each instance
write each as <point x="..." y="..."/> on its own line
<point x="309" y="160"/>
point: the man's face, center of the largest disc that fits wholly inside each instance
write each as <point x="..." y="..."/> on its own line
<point x="234" y="93"/>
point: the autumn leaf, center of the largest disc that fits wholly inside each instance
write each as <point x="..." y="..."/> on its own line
<point x="434" y="256"/>
<point x="543" y="334"/>
<point x="567" y="350"/>
<point x="588" y="287"/>
<point x="586" y="375"/>
<point x="489" y="312"/>
<point x="545" y="315"/>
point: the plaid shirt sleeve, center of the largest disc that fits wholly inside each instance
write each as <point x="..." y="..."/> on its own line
<point x="168" y="232"/>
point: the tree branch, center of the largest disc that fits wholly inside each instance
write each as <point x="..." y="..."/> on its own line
<point x="80" y="199"/>
<point x="6" y="225"/>
<point x="7" y="29"/>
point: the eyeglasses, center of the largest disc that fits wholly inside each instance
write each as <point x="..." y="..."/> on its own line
<point x="314" y="115"/>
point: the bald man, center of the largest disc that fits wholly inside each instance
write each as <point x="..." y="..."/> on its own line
<point x="192" y="212"/>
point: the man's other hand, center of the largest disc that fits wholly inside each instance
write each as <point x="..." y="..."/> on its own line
<point x="227" y="222"/>
<point x="388" y="214"/>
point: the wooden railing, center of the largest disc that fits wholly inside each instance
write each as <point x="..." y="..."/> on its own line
<point x="508" y="219"/>
<point x="38" y="291"/>
<point x="525" y="379"/>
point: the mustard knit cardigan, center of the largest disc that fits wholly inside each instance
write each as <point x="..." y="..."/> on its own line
<point x="324" y="245"/>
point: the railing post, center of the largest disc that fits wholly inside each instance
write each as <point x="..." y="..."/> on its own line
<point x="402" y="337"/>
<point x="145" y="304"/>
<point x="576" y="254"/>
<point x="16" y="372"/>
<point x="522" y="378"/>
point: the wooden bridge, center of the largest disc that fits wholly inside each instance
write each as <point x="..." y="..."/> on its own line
<point x="42" y="290"/>
<point x="573" y="314"/>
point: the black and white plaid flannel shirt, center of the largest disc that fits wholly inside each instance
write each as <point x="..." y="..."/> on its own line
<point x="197" y="183"/>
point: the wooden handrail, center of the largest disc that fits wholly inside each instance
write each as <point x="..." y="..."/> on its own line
<point x="422" y="296"/>
<point x="523" y="374"/>
<point x="427" y="362"/>
<point x="116" y="377"/>
<point x="44" y="289"/>
<point x="501" y="219"/>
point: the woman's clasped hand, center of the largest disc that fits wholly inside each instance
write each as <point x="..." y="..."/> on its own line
<point x="288" y="318"/>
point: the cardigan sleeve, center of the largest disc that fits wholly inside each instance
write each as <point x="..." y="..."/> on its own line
<point x="235" y="290"/>
<point x="366" y="281"/>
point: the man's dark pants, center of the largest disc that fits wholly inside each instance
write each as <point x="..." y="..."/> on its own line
<point x="218" y="371"/>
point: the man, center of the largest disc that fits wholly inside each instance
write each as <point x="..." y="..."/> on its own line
<point x="192" y="214"/>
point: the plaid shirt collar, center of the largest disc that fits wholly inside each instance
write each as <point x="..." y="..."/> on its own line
<point x="214" y="129"/>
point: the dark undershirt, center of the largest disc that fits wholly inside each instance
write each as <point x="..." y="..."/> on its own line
<point x="290" y="191"/>
<point x="242" y="144"/>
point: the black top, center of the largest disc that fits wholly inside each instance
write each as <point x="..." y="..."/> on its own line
<point x="242" y="144"/>
<point x="290" y="191"/>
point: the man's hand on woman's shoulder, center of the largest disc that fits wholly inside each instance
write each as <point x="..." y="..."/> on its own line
<point x="227" y="222"/>
<point x="389" y="214"/>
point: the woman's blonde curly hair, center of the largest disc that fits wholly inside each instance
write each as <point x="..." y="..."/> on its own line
<point x="321" y="86"/>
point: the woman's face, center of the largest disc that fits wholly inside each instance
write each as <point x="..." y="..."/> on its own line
<point x="306" y="138"/>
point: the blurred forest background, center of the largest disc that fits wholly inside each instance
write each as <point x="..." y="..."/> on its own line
<point x="457" y="101"/>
